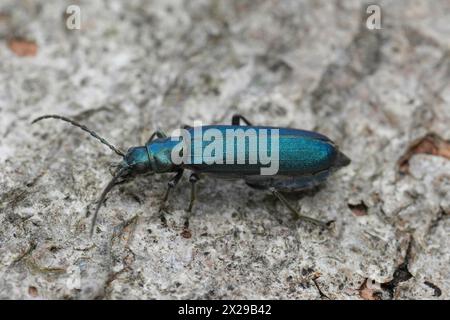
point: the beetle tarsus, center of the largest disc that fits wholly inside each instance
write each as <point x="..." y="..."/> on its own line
<point x="163" y="219"/>
<point x="297" y="215"/>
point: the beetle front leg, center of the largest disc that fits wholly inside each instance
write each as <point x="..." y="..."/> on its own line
<point x="296" y="214"/>
<point x="193" y="180"/>
<point x="170" y="185"/>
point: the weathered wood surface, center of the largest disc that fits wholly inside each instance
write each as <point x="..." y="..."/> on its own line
<point x="137" y="66"/>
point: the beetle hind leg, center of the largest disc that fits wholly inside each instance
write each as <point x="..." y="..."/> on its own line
<point x="297" y="215"/>
<point x="158" y="134"/>
<point x="236" y="120"/>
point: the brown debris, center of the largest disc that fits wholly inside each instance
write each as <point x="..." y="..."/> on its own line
<point x="368" y="293"/>
<point x="437" y="291"/>
<point x="359" y="209"/>
<point x="429" y="144"/>
<point x="401" y="274"/>
<point x="22" y="47"/>
<point x="186" y="233"/>
<point x="32" y="291"/>
<point x="4" y="17"/>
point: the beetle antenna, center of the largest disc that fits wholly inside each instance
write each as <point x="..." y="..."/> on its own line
<point x="107" y="189"/>
<point x="82" y="127"/>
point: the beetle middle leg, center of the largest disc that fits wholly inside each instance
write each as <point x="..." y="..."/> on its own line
<point x="295" y="213"/>
<point x="158" y="134"/>
<point x="236" y="120"/>
<point x="170" y="185"/>
<point x="193" y="180"/>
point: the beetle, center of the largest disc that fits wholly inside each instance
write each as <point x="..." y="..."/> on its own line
<point x="305" y="160"/>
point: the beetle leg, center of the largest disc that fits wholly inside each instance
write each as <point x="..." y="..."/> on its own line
<point x="193" y="180"/>
<point x="295" y="212"/>
<point x="158" y="134"/>
<point x="236" y="120"/>
<point x="170" y="185"/>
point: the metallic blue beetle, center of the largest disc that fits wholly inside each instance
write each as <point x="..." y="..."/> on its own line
<point x="306" y="159"/>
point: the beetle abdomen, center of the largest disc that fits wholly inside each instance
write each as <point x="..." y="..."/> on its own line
<point x="298" y="152"/>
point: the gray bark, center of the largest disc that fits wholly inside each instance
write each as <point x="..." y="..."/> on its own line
<point x="137" y="66"/>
